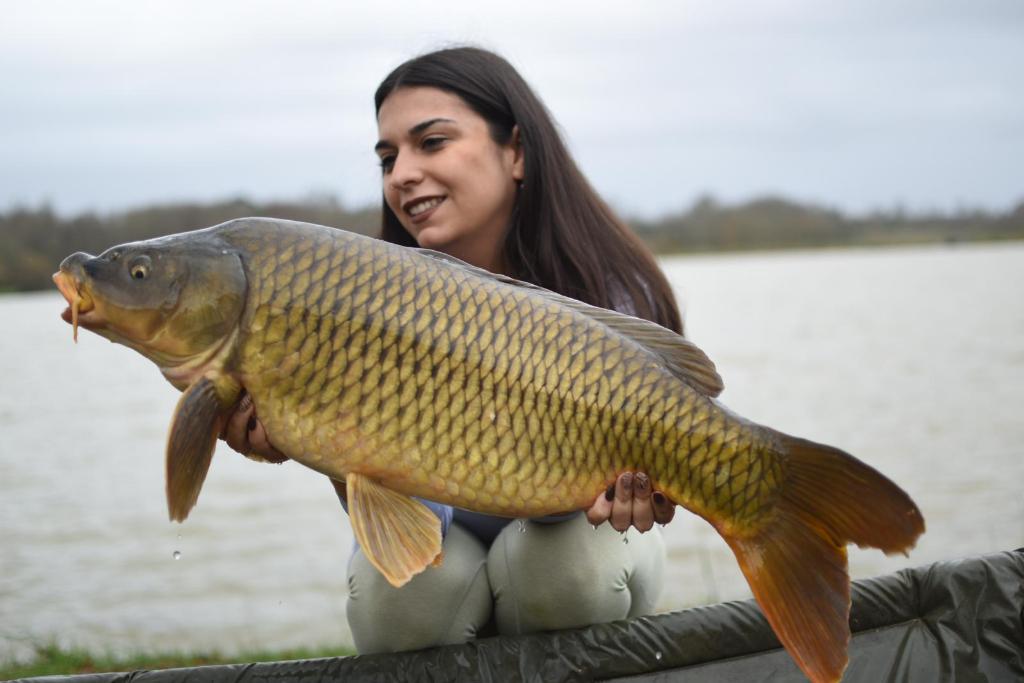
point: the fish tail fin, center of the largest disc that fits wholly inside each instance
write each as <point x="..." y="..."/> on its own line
<point x="796" y="564"/>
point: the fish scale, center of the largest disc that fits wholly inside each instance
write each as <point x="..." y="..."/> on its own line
<point x="626" y="419"/>
<point x="403" y="372"/>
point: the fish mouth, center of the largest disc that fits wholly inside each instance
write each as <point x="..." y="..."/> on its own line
<point x="80" y="303"/>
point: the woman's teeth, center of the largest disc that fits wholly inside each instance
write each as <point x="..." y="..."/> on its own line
<point x="425" y="205"/>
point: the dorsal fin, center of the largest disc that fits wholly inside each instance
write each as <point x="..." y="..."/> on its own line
<point x="680" y="356"/>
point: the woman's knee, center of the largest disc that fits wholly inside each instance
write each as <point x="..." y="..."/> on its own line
<point x="569" y="574"/>
<point x="440" y="606"/>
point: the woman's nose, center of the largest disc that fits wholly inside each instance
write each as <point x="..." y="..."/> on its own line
<point x="405" y="171"/>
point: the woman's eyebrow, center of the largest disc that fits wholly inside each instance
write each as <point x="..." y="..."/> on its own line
<point x="422" y="126"/>
<point x="415" y="130"/>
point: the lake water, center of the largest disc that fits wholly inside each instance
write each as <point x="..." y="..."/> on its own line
<point x="910" y="358"/>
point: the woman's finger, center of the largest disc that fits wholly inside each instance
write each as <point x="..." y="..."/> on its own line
<point x="260" y="445"/>
<point x="664" y="509"/>
<point x="643" y="512"/>
<point x="622" y="506"/>
<point x="601" y="510"/>
<point x="236" y="429"/>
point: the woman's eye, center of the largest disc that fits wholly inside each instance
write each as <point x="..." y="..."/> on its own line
<point x="387" y="163"/>
<point x="139" y="272"/>
<point x="433" y="142"/>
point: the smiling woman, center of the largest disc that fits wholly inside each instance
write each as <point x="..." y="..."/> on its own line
<point x="472" y="165"/>
<point x="559" y="233"/>
<point x="450" y="185"/>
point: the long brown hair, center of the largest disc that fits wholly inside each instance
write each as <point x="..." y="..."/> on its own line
<point x="562" y="235"/>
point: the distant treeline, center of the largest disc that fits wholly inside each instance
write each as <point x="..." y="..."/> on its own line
<point x="773" y="223"/>
<point x="33" y="241"/>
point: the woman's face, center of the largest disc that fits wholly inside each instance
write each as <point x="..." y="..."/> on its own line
<point x="448" y="182"/>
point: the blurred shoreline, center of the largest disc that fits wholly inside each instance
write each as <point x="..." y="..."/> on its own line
<point x="33" y="241"/>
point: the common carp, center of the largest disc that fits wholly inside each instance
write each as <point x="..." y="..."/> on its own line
<point x="404" y="372"/>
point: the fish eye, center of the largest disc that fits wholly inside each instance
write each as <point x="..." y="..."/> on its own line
<point x="139" y="269"/>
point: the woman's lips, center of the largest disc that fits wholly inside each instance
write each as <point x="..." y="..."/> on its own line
<point x="432" y="203"/>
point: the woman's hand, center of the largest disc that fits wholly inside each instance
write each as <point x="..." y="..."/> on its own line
<point x="630" y="502"/>
<point x="244" y="432"/>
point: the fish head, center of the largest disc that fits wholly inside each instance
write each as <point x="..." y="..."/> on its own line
<point x="173" y="299"/>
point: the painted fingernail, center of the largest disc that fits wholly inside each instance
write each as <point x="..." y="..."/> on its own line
<point x="659" y="498"/>
<point x="609" y="494"/>
<point x="627" y="481"/>
<point x="252" y="423"/>
<point x="641" y="481"/>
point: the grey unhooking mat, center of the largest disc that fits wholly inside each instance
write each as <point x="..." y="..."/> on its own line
<point x="957" y="621"/>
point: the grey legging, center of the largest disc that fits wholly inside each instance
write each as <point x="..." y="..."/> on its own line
<point x="535" y="577"/>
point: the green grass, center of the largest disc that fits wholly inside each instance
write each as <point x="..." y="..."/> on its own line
<point x="52" y="660"/>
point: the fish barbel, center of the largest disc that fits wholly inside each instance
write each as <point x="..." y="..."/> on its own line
<point x="403" y="372"/>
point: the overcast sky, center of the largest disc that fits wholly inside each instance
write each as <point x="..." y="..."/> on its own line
<point x="855" y="104"/>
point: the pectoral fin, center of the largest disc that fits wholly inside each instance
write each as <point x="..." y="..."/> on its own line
<point x="190" y="446"/>
<point x="398" y="534"/>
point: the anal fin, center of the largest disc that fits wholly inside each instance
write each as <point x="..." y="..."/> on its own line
<point x="398" y="534"/>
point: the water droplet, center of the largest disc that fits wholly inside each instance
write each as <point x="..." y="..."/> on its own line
<point x="176" y="554"/>
<point x="657" y="655"/>
<point x="625" y="539"/>
<point x="522" y="526"/>
<point x="595" y="526"/>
